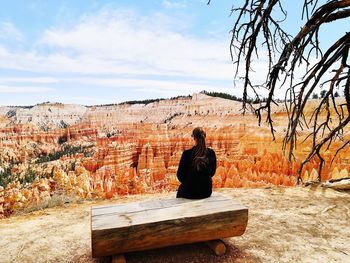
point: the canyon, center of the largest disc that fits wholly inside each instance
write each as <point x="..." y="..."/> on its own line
<point x="105" y="151"/>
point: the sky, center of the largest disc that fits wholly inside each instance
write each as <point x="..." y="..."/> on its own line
<point x="98" y="52"/>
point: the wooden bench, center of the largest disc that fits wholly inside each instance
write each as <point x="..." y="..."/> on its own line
<point x="121" y="228"/>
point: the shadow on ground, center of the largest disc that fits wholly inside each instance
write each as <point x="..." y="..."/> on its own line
<point x="197" y="252"/>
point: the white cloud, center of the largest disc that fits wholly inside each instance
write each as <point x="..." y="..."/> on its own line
<point x="174" y="4"/>
<point x="123" y="42"/>
<point x="9" y="32"/>
<point x="38" y="80"/>
<point x="148" y="51"/>
<point x="24" y="89"/>
<point x="149" y="84"/>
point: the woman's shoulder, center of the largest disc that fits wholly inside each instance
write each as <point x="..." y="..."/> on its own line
<point x="188" y="151"/>
<point x="210" y="151"/>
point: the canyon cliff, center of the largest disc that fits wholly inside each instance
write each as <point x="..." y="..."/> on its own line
<point x="109" y="150"/>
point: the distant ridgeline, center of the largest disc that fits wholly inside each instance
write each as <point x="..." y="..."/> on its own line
<point x="131" y="102"/>
<point x="230" y="97"/>
<point x="220" y="95"/>
<point x="38" y="104"/>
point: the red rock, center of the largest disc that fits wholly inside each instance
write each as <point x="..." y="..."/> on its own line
<point x="136" y="149"/>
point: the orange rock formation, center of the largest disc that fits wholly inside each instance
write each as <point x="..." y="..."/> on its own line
<point x="132" y="149"/>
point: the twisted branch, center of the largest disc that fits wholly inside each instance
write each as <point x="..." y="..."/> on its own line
<point x="256" y="24"/>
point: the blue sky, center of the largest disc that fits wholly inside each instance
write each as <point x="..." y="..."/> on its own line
<point x="96" y="52"/>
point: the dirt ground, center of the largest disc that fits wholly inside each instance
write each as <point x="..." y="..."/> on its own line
<point x="297" y="224"/>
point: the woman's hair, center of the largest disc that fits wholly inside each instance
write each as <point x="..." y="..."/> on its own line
<point x="200" y="150"/>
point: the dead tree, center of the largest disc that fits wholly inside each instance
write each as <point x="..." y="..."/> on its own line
<point x="256" y="26"/>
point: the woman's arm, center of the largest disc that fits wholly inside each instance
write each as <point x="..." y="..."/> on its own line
<point x="181" y="169"/>
<point x="212" y="162"/>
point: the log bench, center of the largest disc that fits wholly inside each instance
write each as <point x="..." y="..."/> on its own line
<point x="155" y="223"/>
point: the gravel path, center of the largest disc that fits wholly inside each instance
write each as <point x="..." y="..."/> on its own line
<point x="285" y="225"/>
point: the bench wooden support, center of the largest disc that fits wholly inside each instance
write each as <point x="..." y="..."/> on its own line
<point x="118" y="259"/>
<point x="218" y="246"/>
<point x="122" y="228"/>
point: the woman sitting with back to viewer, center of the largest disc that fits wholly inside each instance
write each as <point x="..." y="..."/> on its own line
<point x="196" y="168"/>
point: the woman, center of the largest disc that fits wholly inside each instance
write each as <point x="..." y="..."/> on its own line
<point x="196" y="169"/>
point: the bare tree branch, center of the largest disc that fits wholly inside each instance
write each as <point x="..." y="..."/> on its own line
<point x="256" y="24"/>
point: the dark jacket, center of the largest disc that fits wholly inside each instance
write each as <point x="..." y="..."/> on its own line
<point x="194" y="184"/>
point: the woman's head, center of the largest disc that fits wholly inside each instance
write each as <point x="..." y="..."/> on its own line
<point x="199" y="136"/>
